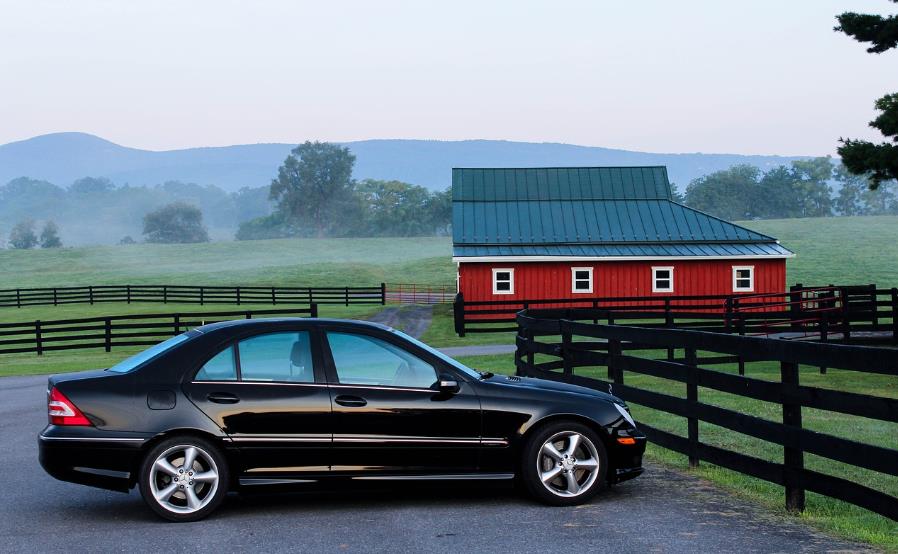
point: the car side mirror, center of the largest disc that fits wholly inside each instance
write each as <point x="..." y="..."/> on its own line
<point x="448" y="384"/>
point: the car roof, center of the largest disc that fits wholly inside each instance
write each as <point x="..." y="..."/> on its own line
<point x="279" y="321"/>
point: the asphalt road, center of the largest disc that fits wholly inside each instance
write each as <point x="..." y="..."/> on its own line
<point x="662" y="511"/>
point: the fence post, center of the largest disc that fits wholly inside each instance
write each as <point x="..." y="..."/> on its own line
<point x="38" y="339"/>
<point x="274" y="299"/>
<point x="740" y="325"/>
<point x="615" y="372"/>
<point x="824" y="334"/>
<point x="202" y="295"/>
<point x="795" y="305"/>
<point x="692" y="399"/>
<point x="895" y="315"/>
<point x="107" y="334"/>
<point x="383" y="294"/>
<point x="565" y="346"/>
<point x="846" y="317"/>
<point x="874" y="316"/>
<point x="669" y="323"/>
<point x="458" y="312"/>
<point x="177" y="321"/>
<point x="314" y="308"/>
<point x="346" y="293"/>
<point x="728" y="315"/>
<point x="128" y="293"/>
<point x="90" y="294"/>
<point x="54" y="296"/>
<point x="793" y="457"/>
<point x="19" y="298"/>
<point x="249" y="315"/>
<point x="165" y="294"/>
<point x="238" y="296"/>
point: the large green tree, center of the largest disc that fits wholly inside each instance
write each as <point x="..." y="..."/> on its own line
<point x="22" y="236"/>
<point x="177" y="222"/>
<point x="879" y="161"/>
<point x="728" y="193"/>
<point x="50" y="236"/>
<point x="314" y="188"/>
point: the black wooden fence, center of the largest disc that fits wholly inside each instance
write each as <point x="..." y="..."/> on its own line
<point x="823" y="310"/>
<point x="117" y="331"/>
<point x="570" y="344"/>
<point x="191" y="294"/>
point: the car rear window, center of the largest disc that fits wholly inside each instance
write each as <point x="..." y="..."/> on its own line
<point x="137" y="360"/>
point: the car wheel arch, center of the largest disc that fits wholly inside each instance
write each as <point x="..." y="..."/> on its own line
<point x="549" y="419"/>
<point x="184" y="432"/>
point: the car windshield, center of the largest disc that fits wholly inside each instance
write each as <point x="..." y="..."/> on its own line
<point x="129" y="364"/>
<point x="454" y="363"/>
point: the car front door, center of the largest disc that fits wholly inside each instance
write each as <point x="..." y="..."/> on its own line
<point x="268" y="393"/>
<point x="389" y="416"/>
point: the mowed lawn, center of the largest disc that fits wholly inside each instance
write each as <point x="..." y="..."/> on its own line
<point x="285" y="262"/>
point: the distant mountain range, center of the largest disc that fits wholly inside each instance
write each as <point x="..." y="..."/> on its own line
<point x="62" y="158"/>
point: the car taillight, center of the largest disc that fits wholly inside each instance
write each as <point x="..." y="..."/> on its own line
<point x="63" y="411"/>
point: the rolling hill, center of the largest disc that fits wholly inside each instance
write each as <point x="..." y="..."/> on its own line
<point x="63" y="157"/>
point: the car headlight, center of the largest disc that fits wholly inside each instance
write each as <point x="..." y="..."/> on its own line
<point x="623" y="411"/>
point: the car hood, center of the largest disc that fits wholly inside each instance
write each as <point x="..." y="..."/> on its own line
<point x="549" y="386"/>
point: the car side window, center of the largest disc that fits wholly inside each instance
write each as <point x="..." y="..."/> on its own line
<point x="222" y="367"/>
<point x="277" y="357"/>
<point x="364" y="360"/>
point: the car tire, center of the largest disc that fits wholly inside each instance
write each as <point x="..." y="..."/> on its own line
<point x="559" y="475"/>
<point x="179" y="489"/>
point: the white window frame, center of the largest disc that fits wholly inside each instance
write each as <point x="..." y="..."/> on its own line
<point x="655" y="270"/>
<point x="751" y="278"/>
<point x="574" y="280"/>
<point x="510" y="271"/>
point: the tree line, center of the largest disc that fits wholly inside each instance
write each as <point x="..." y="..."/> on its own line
<point x="316" y="196"/>
<point x="806" y="188"/>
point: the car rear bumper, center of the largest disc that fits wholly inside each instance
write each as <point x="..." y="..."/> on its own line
<point x="95" y="459"/>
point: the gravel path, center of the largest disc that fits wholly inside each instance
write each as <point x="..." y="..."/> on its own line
<point x="411" y="319"/>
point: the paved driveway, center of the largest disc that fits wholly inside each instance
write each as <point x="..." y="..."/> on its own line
<point x="663" y="511"/>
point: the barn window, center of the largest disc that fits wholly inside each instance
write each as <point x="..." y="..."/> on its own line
<point x="503" y="281"/>
<point x="743" y="278"/>
<point x="581" y="279"/>
<point x="662" y="279"/>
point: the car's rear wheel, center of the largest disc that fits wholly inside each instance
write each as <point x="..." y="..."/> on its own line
<point x="564" y="464"/>
<point x="183" y="478"/>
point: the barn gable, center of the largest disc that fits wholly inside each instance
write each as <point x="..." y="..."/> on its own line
<point x="588" y="213"/>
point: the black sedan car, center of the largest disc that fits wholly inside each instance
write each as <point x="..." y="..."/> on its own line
<point x="288" y="401"/>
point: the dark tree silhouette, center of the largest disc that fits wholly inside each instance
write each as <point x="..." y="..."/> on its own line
<point x="878" y="161"/>
<point x="177" y="222"/>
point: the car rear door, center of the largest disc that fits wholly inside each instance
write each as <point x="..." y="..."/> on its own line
<point x="388" y="416"/>
<point x="268" y="393"/>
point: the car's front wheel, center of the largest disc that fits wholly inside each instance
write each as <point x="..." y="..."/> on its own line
<point x="564" y="464"/>
<point x="183" y="478"/>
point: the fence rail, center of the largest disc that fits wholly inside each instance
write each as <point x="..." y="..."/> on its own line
<point x="191" y="294"/>
<point x="412" y="293"/>
<point x="590" y="345"/>
<point x="828" y="310"/>
<point x="117" y="331"/>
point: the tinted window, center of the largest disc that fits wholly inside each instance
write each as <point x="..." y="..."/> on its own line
<point x="222" y="367"/>
<point x="277" y="357"/>
<point x="136" y="360"/>
<point x="364" y="360"/>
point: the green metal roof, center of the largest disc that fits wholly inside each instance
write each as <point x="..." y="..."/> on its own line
<point x="594" y="209"/>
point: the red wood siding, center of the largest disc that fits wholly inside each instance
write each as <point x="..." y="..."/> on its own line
<point x="544" y="280"/>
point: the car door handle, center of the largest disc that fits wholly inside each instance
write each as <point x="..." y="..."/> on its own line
<point x="223" y="398"/>
<point x="350" y="401"/>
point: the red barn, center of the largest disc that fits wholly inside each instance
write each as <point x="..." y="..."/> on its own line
<point x="578" y="232"/>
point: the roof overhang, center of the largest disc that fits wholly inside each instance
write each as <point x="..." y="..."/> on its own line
<point x="508" y="259"/>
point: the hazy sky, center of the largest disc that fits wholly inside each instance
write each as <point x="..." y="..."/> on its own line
<point x="760" y="76"/>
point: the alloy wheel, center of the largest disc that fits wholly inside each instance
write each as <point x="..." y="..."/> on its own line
<point x="568" y="464"/>
<point x="184" y="479"/>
